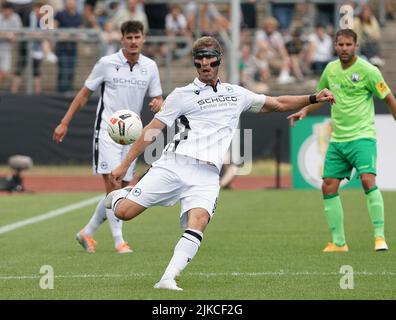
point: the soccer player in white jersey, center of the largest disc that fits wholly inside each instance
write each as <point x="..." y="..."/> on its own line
<point x="207" y="113"/>
<point x="125" y="78"/>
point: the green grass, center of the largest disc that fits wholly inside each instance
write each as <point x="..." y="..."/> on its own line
<point x="260" y="245"/>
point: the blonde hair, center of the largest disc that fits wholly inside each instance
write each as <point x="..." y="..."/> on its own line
<point x="206" y="42"/>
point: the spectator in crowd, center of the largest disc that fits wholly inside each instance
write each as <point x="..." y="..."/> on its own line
<point x="105" y="11"/>
<point x="295" y="48"/>
<point x="8" y="20"/>
<point x="89" y="17"/>
<point x="111" y="38"/>
<point x="283" y="12"/>
<point x="325" y="13"/>
<point x="270" y="38"/>
<point x="57" y="5"/>
<point x="248" y="23"/>
<point x="211" y="20"/>
<point x="67" y="50"/>
<point x="41" y="50"/>
<point x="389" y="11"/>
<point x="156" y="13"/>
<point x="131" y="12"/>
<point x="176" y="25"/>
<point x="175" y="21"/>
<point x="23" y="8"/>
<point x="254" y="69"/>
<point x="319" y="50"/>
<point x="368" y="30"/>
<point x="249" y="14"/>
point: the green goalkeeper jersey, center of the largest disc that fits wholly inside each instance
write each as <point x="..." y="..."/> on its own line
<point x="353" y="113"/>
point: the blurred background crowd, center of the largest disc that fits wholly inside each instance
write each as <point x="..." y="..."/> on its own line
<point x="281" y="43"/>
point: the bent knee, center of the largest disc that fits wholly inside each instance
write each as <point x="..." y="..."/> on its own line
<point x="127" y="210"/>
<point x="122" y="210"/>
<point x="198" y="219"/>
<point x="330" y="186"/>
<point x="368" y="182"/>
<point x="121" y="214"/>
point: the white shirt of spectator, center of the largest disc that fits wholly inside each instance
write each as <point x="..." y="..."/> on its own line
<point x="123" y="15"/>
<point x="121" y="87"/>
<point x="192" y="10"/>
<point x="13" y="22"/>
<point x="323" y="51"/>
<point x="275" y="38"/>
<point x="175" y="25"/>
<point x="206" y="119"/>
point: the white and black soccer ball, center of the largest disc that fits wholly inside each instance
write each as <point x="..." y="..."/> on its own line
<point x="124" y="127"/>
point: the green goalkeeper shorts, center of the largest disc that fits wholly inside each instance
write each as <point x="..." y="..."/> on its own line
<point x="342" y="157"/>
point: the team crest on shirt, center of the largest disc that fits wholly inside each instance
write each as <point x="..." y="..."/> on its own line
<point x="196" y="92"/>
<point x="117" y="67"/>
<point x="355" y="77"/>
<point x="137" y="192"/>
<point x="230" y="89"/>
<point x="104" y="165"/>
<point x="143" y="71"/>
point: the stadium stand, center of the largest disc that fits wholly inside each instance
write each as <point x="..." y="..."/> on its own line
<point x="176" y="72"/>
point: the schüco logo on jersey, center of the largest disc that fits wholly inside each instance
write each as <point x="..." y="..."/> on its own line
<point x="130" y="82"/>
<point x="217" y="101"/>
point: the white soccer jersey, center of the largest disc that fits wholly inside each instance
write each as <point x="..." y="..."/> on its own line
<point x="207" y="118"/>
<point x="122" y="86"/>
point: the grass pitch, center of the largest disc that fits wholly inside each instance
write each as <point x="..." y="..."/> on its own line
<point x="260" y="245"/>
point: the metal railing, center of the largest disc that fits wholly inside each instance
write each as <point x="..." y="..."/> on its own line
<point x="92" y="47"/>
<point x="27" y="38"/>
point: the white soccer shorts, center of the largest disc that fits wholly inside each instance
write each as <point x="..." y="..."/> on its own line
<point x="109" y="155"/>
<point x="169" y="180"/>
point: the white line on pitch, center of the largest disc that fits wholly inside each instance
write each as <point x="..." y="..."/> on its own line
<point x="203" y="274"/>
<point x="49" y="215"/>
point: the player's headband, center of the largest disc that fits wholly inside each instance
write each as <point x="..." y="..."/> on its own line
<point x="206" y="53"/>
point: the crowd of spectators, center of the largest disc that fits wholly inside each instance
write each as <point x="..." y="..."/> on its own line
<point x="285" y="45"/>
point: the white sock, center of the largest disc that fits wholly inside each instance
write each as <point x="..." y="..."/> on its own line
<point x="184" y="252"/>
<point x="115" y="227"/>
<point x="97" y="219"/>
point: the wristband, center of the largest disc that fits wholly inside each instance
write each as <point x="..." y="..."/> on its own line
<point x="312" y="99"/>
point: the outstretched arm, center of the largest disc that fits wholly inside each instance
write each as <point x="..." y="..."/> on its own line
<point x="391" y="102"/>
<point x="78" y="102"/>
<point x="148" y="136"/>
<point x="290" y="103"/>
<point x="303" y="112"/>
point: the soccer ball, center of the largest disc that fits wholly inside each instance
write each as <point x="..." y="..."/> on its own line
<point x="124" y="127"/>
